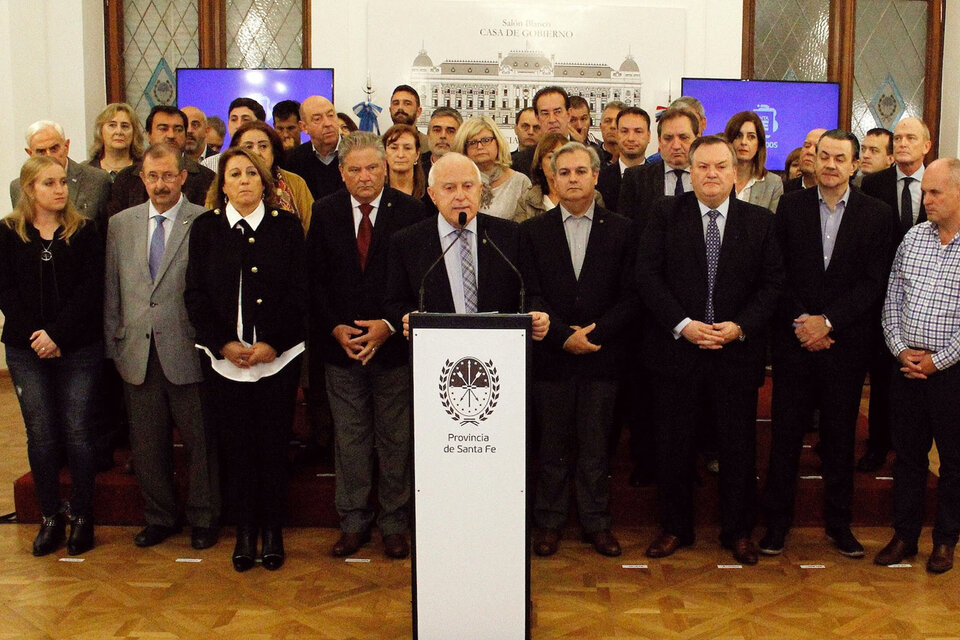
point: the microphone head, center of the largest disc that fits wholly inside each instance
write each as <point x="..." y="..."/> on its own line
<point x="462" y="218"/>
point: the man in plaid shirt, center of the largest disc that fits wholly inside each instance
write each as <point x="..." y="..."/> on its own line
<point x="921" y="325"/>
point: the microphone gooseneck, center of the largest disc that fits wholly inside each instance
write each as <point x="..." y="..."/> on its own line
<point x="523" y="288"/>
<point x="462" y="220"/>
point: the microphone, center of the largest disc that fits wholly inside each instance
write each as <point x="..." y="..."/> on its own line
<point x="523" y="288"/>
<point x="462" y="221"/>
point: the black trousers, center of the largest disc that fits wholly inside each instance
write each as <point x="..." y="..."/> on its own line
<point x="879" y="417"/>
<point x="832" y="384"/>
<point x="253" y="421"/>
<point x="733" y="412"/>
<point x="924" y="411"/>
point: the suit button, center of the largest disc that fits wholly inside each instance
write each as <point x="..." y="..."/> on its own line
<point x="259" y="300"/>
<point x="251" y="240"/>
<point x="253" y="269"/>
<point x="153" y="304"/>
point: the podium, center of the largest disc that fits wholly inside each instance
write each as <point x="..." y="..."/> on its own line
<point x="471" y="561"/>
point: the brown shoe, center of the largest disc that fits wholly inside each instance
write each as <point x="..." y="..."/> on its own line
<point x="395" y="546"/>
<point x="745" y="551"/>
<point x="665" y="545"/>
<point x="349" y="543"/>
<point x="603" y="542"/>
<point x="941" y="560"/>
<point x="895" y="552"/>
<point x="546" y="541"/>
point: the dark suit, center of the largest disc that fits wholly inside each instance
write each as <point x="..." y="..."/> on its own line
<point x="253" y="418"/>
<point x="794" y="184"/>
<point x="575" y="394"/>
<point x="847" y="293"/>
<point x="368" y="403"/>
<point x="129" y="191"/>
<point x="672" y="281"/>
<point x="322" y="179"/>
<point x="414" y="249"/>
<point x="640" y="188"/>
<point x="883" y="186"/>
<point x="522" y="159"/>
<point x="608" y="184"/>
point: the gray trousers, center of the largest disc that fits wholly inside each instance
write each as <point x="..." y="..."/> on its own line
<point x="575" y="417"/>
<point x="370" y="406"/>
<point x="151" y="406"/>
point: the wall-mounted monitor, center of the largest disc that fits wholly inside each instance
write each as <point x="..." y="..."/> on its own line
<point x="788" y="110"/>
<point x="211" y="90"/>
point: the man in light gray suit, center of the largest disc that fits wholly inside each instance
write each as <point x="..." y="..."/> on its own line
<point x="151" y="341"/>
<point x="88" y="187"/>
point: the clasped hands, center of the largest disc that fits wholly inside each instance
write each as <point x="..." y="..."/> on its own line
<point x="245" y="357"/>
<point x="917" y="363"/>
<point x="360" y="342"/>
<point x="812" y="332"/>
<point x="710" y="336"/>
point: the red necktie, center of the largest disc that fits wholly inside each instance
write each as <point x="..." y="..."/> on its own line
<point x="364" y="233"/>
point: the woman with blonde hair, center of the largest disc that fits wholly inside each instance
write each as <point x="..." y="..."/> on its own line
<point x="51" y="296"/>
<point x="117" y="139"/>
<point x="480" y="139"/>
<point x="404" y="173"/>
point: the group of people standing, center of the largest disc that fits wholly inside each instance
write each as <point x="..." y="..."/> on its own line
<point x="664" y="281"/>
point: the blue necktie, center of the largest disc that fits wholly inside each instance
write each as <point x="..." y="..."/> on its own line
<point x="678" y="188"/>
<point x="468" y="273"/>
<point x="157" y="242"/>
<point x="713" y="256"/>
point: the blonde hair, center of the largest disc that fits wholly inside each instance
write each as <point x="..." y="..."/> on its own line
<point x="136" y="145"/>
<point x="69" y="218"/>
<point x="475" y="125"/>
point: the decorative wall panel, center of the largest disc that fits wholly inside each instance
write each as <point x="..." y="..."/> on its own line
<point x="790" y="39"/>
<point x="264" y="33"/>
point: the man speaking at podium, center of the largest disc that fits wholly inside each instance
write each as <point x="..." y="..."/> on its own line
<point x="471" y="277"/>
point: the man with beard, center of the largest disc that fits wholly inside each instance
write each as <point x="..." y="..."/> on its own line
<point x="196" y="147"/>
<point x="405" y="109"/>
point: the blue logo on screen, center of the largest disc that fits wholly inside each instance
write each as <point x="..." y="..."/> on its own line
<point x="768" y="116"/>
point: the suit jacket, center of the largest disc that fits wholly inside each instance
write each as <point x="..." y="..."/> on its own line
<point x="640" y="188"/>
<point x="848" y="291"/>
<point x="521" y="159"/>
<point x="608" y="184"/>
<point x="88" y="189"/>
<point x="672" y="281"/>
<point x="129" y="191"/>
<point x="793" y="184"/>
<point x="340" y="292"/>
<point x="414" y="249"/>
<point x="604" y="293"/>
<point x="137" y="307"/>
<point x="766" y="192"/>
<point x="882" y="185"/>
<point x="213" y="280"/>
<point x="322" y="179"/>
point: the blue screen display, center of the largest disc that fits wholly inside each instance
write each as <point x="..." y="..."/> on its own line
<point x="788" y="110"/>
<point x="211" y="90"/>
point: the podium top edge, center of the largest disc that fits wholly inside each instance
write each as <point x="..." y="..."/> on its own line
<point x="470" y="321"/>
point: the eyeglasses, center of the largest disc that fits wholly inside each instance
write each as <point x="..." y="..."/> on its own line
<point x="151" y="178"/>
<point x="485" y="141"/>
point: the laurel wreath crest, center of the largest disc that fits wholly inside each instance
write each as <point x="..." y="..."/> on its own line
<point x="494" y="393"/>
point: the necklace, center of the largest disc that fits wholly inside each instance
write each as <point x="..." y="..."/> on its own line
<point x="45" y="254"/>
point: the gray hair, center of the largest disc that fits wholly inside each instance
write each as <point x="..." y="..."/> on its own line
<point x="39" y="126"/>
<point x="357" y="140"/>
<point x="690" y="103"/>
<point x="570" y="147"/>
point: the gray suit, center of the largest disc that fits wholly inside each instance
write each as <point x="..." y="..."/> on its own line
<point x="766" y="192"/>
<point x="89" y="190"/>
<point x="150" y="339"/>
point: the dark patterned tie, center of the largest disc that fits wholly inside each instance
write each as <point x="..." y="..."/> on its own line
<point x="713" y="255"/>
<point x="678" y="189"/>
<point x="364" y="233"/>
<point x="906" y="205"/>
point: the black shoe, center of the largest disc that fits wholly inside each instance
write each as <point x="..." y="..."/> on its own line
<point x="773" y="541"/>
<point x="845" y="542"/>
<point x="872" y="460"/>
<point x="81" y="535"/>
<point x="154" y="534"/>
<point x="51" y="535"/>
<point x="642" y="476"/>
<point x="246" y="548"/>
<point x="204" y="537"/>
<point x="272" y="551"/>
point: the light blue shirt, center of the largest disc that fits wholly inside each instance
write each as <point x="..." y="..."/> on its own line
<point x="830" y="224"/>
<point x="670" y="180"/>
<point x="171" y="216"/>
<point x="451" y="260"/>
<point x="577" y="230"/>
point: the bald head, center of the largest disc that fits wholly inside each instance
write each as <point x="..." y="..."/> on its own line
<point x="196" y="132"/>
<point x="911" y="142"/>
<point x="318" y="118"/>
<point x="455" y="187"/>
<point x="941" y="194"/>
<point x="808" y="153"/>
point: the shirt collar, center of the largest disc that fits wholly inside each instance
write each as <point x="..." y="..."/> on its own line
<point x="375" y="203"/>
<point x="169" y="214"/>
<point x="917" y="175"/>
<point x="327" y="157"/>
<point x="668" y="169"/>
<point x="588" y="214"/>
<point x="723" y="208"/>
<point x="446" y="228"/>
<point x="844" y="199"/>
<point x="253" y="219"/>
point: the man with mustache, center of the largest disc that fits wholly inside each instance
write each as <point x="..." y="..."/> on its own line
<point x="405" y="109"/>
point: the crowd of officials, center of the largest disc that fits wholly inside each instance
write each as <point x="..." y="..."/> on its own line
<point x="168" y="282"/>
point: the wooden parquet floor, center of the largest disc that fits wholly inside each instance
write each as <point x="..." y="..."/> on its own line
<point x="120" y="591"/>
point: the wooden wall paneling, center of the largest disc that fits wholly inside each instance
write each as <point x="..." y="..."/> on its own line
<point x="213" y="33"/>
<point x="747" y="39"/>
<point x="113" y="43"/>
<point x="307" y="45"/>
<point x="840" y="55"/>
<point x="933" y="75"/>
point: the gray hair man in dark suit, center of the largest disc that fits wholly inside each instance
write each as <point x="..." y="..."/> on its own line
<point x="151" y="341"/>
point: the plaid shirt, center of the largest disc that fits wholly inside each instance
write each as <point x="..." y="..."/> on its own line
<point x="922" y="309"/>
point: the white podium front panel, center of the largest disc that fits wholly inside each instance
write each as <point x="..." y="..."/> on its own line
<point x="470" y="544"/>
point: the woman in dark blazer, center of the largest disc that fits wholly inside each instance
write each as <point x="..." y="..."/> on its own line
<point x="51" y="295"/>
<point x="245" y="295"/>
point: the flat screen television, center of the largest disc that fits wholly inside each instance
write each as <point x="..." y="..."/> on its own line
<point x="788" y="110"/>
<point x="211" y="90"/>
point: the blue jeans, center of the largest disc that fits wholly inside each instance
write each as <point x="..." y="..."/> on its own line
<point x="56" y="398"/>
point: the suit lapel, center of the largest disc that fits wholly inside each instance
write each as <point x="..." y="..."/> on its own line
<point x="434" y="248"/>
<point x="849" y="225"/>
<point x="73" y="180"/>
<point x="140" y="235"/>
<point x="732" y="236"/>
<point x="177" y="235"/>
<point x="595" y="244"/>
<point x="556" y="236"/>
<point x="384" y="218"/>
<point x="692" y="225"/>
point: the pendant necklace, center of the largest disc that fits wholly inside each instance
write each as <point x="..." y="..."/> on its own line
<point x="45" y="254"/>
